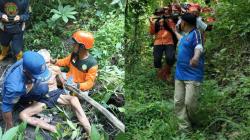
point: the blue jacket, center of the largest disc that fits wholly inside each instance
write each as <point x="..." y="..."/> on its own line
<point x="14" y="87"/>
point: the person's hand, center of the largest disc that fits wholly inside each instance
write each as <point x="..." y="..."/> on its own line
<point x="17" y="18"/>
<point x="5" y="18"/>
<point x="194" y="62"/>
<point x="53" y="61"/>
<point x="151" y="19"/>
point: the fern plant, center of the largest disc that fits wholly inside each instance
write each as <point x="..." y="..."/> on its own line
<point x="63" y="12"/>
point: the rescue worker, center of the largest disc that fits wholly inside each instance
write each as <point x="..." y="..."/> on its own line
<point x="82" y="65"/>
<point x="25" y="80"/>
<point x="54" y="96"/>
<point x="189" y="71"/>
<point x="13" y="15"/>
<point x="165" y="43"/>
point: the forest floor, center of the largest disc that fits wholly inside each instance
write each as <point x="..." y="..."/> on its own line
<point x="150" y="106"/>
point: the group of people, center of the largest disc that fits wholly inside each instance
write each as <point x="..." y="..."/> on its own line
<point x="35" y="78"/>
<point x="181" y="26"/>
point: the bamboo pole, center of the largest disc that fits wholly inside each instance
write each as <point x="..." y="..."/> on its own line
<point x="116" y="122"/>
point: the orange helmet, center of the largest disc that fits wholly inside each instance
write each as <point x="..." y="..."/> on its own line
<point x="84" y="38"/>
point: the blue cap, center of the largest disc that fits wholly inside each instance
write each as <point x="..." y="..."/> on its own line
<point x="35" y="64"/>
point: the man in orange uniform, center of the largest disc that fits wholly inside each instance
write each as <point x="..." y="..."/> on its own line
<point x="164" y="43"/>
<point x="82" y="66"/>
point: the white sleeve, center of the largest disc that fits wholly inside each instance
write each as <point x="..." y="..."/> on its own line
<point x="200" y="24"/>
<point x="200" y="47"/>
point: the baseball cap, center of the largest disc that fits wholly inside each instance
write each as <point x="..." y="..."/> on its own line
<point x="189" y="18"/>
<point x="35" y="64"/>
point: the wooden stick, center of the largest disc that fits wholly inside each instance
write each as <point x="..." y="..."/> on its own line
<point x="95" y="104"/>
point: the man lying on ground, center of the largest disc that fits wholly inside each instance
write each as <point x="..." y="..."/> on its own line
<point x="54" y="96"/>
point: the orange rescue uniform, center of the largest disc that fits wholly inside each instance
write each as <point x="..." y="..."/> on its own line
<point x="83" y="71"/>
<point x="162" y="37"/>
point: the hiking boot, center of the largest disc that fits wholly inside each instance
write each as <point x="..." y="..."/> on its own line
<point x="4" y="52"/>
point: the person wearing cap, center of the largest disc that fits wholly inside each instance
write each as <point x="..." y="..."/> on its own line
<point x="82" y="65"/>
<point x="189" y="71"/>
<point x="13" y="15"/>
<point x="164" y="43"/>
<point x="55" y="96"/>
<point x="24" y="81"/>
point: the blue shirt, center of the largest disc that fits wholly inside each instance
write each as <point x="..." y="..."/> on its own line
<point x="14" y="87"/>
<point x="186" y="48"/>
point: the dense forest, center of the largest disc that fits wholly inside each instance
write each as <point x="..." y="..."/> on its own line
<point x="51" y="24"/>
<point x="123" y="49"/>
<point x="224" y="103"/>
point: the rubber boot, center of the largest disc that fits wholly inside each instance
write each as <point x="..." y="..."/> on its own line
<point x="159" y="73"/>
<point x="167" y="72"/>
<point x="19" y="55"/>
<point x="4" y="52"/>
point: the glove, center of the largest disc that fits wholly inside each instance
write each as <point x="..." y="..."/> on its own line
<point x="70" y="82"/>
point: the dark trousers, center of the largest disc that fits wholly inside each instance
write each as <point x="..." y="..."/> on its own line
<point x="15" y="39"/>
<point x="168" y="50"/>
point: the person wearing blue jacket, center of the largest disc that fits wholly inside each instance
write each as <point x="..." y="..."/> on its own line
<point x="13" y="15"/>
<point x="189" y="71"/>
<point x="24" y="81"/>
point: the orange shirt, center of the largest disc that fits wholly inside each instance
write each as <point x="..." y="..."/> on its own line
<point x="85" y="75"/>
<point x="163" y="37"/>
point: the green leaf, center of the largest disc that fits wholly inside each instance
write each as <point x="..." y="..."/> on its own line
<point x="1" y="133"/>
<point x="65" y="19"/>
<point x="121" y="109"/>
<point x="95" y="135"/>
<point x="55" y="17"/>
<point x="37" y="134"/>
<point x="10" y="134"/>
<point x="115" y="2"/>
<point x="72" y="17"/>
<point x="74" y="134"/>
<point x="71" y="125"/>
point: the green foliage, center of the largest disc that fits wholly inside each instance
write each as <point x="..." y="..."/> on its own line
<point x="223" y="112"/>
<point x="15" y="133"/>
<point x="64" y="13"/>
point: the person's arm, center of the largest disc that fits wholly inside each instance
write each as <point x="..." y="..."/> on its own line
<point x="7" y="108"/>
<point x="198" y="49"/>
<point x="178" y="35"/>
<point x="151" y="26"/>
<point x="7" y="117"/>
<point x="90" y="79"/>
<point x="63" y="62"/>
<point x="25" y="15"/>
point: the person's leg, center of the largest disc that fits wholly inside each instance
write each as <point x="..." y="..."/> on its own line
<point x="5" y="39"/>
<point x="74" y="102"/>
<point x="179" y="103"/>
<point x="191" y="99"/>
<point x="35" y="108"/>
<point x="17" y="45"/>
<point x="157" y="53"/>
<point x="170" y="60"/>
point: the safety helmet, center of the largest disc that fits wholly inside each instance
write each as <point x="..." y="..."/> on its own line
<point x="194" y="7"/>
<point x="85" y="39"/>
